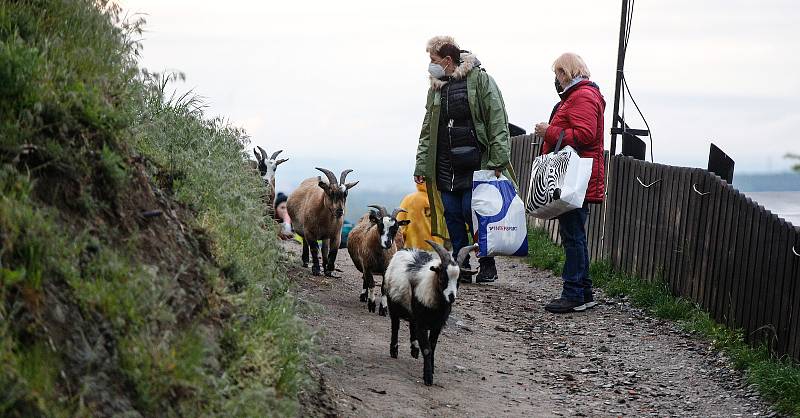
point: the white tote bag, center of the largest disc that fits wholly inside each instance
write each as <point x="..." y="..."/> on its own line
<point x="498" y="216"/>
<point x="558" y="182"/>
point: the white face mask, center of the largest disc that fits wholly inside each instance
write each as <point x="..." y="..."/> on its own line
<point x="436" y="70"/>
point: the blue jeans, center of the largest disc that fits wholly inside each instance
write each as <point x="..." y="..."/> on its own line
<point x="458" y="217"/>
<point x="577" y="284"/>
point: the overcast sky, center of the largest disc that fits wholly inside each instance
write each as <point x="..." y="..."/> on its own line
<point x="342" y="84"/>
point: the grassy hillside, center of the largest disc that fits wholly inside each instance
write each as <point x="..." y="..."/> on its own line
<point x="137" y="274"/>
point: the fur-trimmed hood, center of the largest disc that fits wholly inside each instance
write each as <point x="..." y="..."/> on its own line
<point x="468" y="62"/>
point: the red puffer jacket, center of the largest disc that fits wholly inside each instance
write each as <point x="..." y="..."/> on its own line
<point x="580" y="116"/>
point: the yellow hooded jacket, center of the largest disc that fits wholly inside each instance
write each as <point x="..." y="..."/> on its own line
<point x="419" y="213"/>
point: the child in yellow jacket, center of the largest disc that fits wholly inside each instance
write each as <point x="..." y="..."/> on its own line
<point x="419" y="213"/>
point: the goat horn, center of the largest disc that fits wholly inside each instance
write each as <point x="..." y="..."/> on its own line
<point x="397" y="211"/>
<point x="329" y="175"/>
<point x="464" y="252"/>
<point x="381" y="209"/>
<point x="263" y="153"/>
<point x="275" y="154"/>
<point x="344" y="175"/>
<point x="258" y="156"/>
<point x="444" y="255"/>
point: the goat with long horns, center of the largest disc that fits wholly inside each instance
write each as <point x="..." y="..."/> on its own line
<point x="317" y="209"/>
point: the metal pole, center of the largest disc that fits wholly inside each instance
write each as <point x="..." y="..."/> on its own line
<point x="620" y="66"/>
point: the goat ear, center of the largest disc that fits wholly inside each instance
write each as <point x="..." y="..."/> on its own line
<point x="324" y="186"/>
<point x="404" y="222"/>
<point x="281" y="161"/>
<point x="436" y="268"/>
<point x="349" y="186"/>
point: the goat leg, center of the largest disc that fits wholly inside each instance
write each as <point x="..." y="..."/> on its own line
<point x="434" y="338"/>
<point x="384" y="300"/>
<point x="304" y="257"/>
<point x="370" y="292"/>
<point x="315" y="270"/>
<point x="412" y="328"/>
<point x="325" y="249"/>
<point x="330" y="266"/>
<point x="427" y="355"/>
<point x="393" y="342"/>
<point x="364" y="288"/>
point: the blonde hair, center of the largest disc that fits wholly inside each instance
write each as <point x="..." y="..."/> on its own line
<point x="437" y="42"/>
<point x="572" y="65"/>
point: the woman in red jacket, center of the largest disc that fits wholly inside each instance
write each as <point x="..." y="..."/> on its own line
<point x="579" y="115"/>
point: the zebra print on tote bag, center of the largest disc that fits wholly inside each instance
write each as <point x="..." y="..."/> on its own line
<point x="546" y="175"/>
<point x="558" y="182"/>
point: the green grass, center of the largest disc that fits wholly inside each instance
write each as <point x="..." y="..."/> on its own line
<point x="542" y="253"/>
<point x="75" y="112"/>
<point x="778" y="379"/>
<point x="203" y="161"/>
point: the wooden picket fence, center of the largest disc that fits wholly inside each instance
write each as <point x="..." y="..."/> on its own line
<point x="709" y="242"/>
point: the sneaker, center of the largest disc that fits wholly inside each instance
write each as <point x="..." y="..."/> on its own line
<point x="562" y="305"/>
<point x="588" y="303"/>
<point x="487" y="271"/>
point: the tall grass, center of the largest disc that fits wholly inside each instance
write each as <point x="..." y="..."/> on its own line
<point x="75" y="113"/>
<point x="204" y="162"/>
<point x="778" y="379"/>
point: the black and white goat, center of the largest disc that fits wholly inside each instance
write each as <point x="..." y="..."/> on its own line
<point x="372" y="243"/>
<point x="266" y="168"/>
<point x="420" y="287"/>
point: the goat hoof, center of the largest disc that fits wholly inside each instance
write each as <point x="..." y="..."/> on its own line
<point x="315" y="271"/>
<point x="393" y="352"/>
<point x="414" y="352"/>
<point x="305" y="265"/>
<point x="371" y="306"/>
<point x="381" y="311"/>
<point x="362" y="297"/>
<point x="329" y="273"/>
<point x="428" y="378"/>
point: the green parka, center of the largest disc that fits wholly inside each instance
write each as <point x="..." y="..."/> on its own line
<point x="491" y="127"/>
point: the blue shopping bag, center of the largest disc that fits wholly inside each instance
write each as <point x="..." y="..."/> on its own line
<point x="498" y="215"/>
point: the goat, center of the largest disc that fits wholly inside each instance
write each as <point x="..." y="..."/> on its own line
<point x="267" y="167"/>
<point x="421" y="289"/>
<point x="371" y="244"/>
<point x="317" y="210"/>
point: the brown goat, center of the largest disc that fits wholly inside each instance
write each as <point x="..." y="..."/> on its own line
<point x="372" y="244"/>
<point x="317" y="210"/>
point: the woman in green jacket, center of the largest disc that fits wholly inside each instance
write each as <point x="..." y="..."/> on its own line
<point x="465" y="129"/>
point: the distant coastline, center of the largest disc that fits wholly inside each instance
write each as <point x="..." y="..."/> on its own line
<point x="771" y="182"/>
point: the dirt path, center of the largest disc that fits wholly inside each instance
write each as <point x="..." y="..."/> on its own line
<point x="503" y="355"/>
